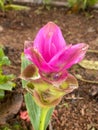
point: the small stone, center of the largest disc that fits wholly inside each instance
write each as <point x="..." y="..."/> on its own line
<point x="94" y="91"/>
<point x="90" y="30"/>
<point x="1" y="29"/>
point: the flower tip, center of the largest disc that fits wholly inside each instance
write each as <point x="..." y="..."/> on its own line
<point x="51" y="25"/>
<point x="85" y="47"/>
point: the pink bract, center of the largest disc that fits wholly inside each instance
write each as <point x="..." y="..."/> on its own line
<point x="24" y="115"/>
<point x="50" y="53"/>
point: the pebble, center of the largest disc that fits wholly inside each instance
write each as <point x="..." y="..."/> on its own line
<point x="1" y="29"/>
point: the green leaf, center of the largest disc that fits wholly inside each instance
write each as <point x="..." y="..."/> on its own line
<point x="7" y="86"/>
<point x="15" y="7"/>
<point x="72" y="2"/>
<point x="84" y="4"/>
<point x="81" y="4"/>
<point x="24" y="64"/>
<point x="48" y="117"/>
<point x="5" y="78"/>
<point x="91" y="2"/>
<point x="46" y="1"/>
<point x="34" y="111"/>
<point x="87" y="64"/>
<point x="2" y="94"/>
<point x="4" y="60"/>
<point x="1" y="52"/>
<point x="2" y="4"/>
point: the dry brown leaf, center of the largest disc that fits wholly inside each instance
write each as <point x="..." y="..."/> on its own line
<point x="11" y="107"/>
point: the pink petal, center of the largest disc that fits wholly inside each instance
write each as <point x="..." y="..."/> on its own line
<point x="76" y="54"/>
<point x="49" y="41"/>
<point x="67" y="57"/>
<point x="24" y="115"/>
<point x="34" y="56"/>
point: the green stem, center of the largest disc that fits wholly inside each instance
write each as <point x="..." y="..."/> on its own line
<point x="44" y="112"/>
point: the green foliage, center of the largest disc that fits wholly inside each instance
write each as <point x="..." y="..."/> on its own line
<point x="3" y="59"/>
<point x="81" y="4"/>
<point x="46" y="1"/>
<point x="91" y="2"/>
<point x="16" y="7"/>
<point x="36" y="113"/>
<point x="5" y="80"/>
<point x="24" y="64"/>
<point x="9" y="6"/>
<point x="47" y="4"/>
<point x="33" y="110"/>
<point x="72" y="2"/>
<point x="14" y="126"/>
<point x="2" y="4"/>
<point x="1" y="94"/>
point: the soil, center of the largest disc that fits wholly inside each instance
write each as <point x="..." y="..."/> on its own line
<point x="76" y="111"/>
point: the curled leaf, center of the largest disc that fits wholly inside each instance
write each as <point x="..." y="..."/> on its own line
<point x="78" y="76"/>
<point x="89" y="64"/>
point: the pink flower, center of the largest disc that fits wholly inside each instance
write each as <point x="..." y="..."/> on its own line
<point x="50" y="53"/>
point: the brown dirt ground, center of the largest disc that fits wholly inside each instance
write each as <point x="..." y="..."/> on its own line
<point x="78" y="110"/>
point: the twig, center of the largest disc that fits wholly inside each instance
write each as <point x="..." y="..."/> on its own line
<point x="93" y="51"/>
<point x="74" y="98"/>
